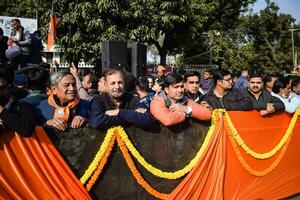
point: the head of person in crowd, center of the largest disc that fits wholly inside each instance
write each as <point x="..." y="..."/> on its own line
<point x="1" y="31"/>
<point x="101" y="83"/>
<point x="37" y="33"/>
<point x="269" y="80"/>
<point x="192" y="85"/>
<point x="295" y="85"/>
<point x="115" y="83"/>
<point x="208" y="74"/>
<point x="37" y="79"/>
<point x="20" y="81"/>
<point x="174" y="87"/>
<point x="160" y="71"/>
<point x="158" y="85"/>
<point x="150" y="82"/>
<point x="255" y="83"/>
<point x="282" y="87"/>
<point x="89" y="82"/>
<point x="63" y="86"/>
<point x="244" y="73"/>
<point x="16" y="24"/>
<point x="6" y="79"/>
<point x="222" y="80"/>
<point x="142" y="86"/>
<point x="63" y="107"/>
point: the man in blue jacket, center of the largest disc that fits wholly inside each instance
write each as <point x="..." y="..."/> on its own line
<point x="115" y="107"/>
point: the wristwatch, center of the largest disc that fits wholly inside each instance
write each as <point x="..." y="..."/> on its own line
<point x="189" y="111"/>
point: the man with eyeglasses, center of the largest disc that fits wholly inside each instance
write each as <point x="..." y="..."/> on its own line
<point x="223" y="96"/>
<point x="262" y="99"/>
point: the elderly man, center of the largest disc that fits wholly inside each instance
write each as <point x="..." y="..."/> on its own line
<point x="63" y="108"/>
<point x="222" y="95"/>
<point x="171" y="107"/>
<point x="262" y="99"/>
<point x="115" y="107"/>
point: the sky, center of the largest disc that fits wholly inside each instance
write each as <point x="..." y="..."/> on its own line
<point x="291" y="7"/>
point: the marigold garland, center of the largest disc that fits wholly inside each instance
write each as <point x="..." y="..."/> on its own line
<point x="247" y="167"/>
<point x="136" y="173"/>
<point x="179" y="173"/>
<point x="231" y="129"/>
<point x="101" y="165"/>
<point x="92" y="167"/>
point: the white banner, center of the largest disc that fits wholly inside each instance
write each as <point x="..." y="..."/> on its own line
<point x="27" y="23"/>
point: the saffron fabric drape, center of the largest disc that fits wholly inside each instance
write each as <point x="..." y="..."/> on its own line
<point x="32" y="168"/>
<point x="220" y="175"/>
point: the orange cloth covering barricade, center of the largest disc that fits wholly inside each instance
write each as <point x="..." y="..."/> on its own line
<point x="219" y="173"/>
<point x="31" y="168"/>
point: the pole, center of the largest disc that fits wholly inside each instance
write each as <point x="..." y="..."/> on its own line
<point x="293" y="46"/>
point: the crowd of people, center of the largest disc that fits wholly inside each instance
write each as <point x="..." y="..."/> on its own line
<point x="63" y="99"/>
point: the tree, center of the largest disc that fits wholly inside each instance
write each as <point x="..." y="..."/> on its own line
<point x="271" y="36"/>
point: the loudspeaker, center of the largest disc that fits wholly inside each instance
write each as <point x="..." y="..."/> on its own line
<point x="137" y="57"/>
<point x="114" y="53"/>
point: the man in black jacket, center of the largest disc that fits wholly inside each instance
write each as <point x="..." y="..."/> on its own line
<point x="14" y="115"/>
<point x="261" y="98"/>
<point x="222" y="95"/>
<point x="117" y="107"/>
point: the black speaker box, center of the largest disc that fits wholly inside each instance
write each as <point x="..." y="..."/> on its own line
<point x="114" y="53"/>
<point x="137" y="57"/>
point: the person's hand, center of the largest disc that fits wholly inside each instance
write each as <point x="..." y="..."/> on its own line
<point x="57" y="123"/>
<point x="74" y="70"/>
<point x="206" y="105"/>
<point x="270" y="108"/>
<point x="263" y="112"/>
<point x="141" y="110"/>
<point x="112" y="112"/>
<point x="179" y="108"/>
<point x="78" y="121"/>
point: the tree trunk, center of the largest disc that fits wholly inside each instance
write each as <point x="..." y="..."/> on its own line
<point x="163" y="56"/>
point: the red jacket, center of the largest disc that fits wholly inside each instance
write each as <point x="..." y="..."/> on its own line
<point x="161" y="112"/>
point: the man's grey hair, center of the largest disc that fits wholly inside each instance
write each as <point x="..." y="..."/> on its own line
<point x="57" y="76"/>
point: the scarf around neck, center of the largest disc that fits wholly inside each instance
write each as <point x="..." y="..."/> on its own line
<point x="62" y="112"/>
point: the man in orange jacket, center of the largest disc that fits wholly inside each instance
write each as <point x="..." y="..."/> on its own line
<point x="171" y="107"/>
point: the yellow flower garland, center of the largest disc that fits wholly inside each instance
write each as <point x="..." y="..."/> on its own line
<point x="93" y="166"/>
<point x="269" y="154"/>
<point x="247" y="167"/>
<point x="169" y="175"/>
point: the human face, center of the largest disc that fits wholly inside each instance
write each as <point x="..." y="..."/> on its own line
<point x="285" y="92"/>
<point x="150" y="83"/>
<point x="175" y="92"/>
<point x="192" y="84"/>
<point x="66" y="90"/>
<point x="114" y="84"/>
<point x="101" y="85"/>
<point x="15" y="25"/>
<point x="86" y="82"/>
<point x="271" y="83"/>
<point x="226" y="82"/>
<point x="255" y="84"/>
<point x="206" y="75"/>
<point x="296" y="88"/>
